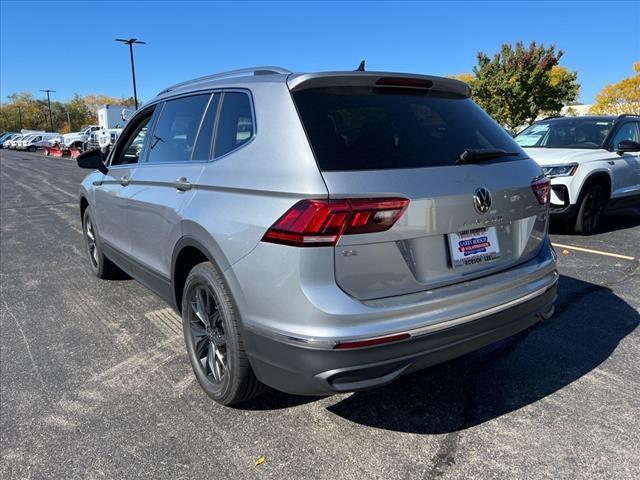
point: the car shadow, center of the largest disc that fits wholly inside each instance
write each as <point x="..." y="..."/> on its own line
<point x="589" y="323"/>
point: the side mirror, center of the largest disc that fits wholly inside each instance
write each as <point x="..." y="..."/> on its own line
<point x="93" y="160"/>
<point x="627" y="146"/>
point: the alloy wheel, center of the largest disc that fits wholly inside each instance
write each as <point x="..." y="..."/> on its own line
<point x="207" y="334"/>
<point x="91" y="242"/>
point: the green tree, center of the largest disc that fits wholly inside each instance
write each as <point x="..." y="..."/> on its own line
<point x="519" y="83"/>
<point x="22" y="110"/>
<point x="621" y="97"/>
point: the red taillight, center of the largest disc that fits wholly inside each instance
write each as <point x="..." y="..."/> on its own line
<point x="372" y="341"/>
<point x="314" y="223"/>
<point x="542" y="189"/>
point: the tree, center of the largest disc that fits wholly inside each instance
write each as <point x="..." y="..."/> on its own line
<point x="24" y="111"/>
<point x="519" y="83"/>
<point x="621" y="97"/>
<point x="464" y="77"/>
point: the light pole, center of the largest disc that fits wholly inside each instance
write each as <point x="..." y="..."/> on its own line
<point x="130" y="42"/>
<point x="49" y="102"/>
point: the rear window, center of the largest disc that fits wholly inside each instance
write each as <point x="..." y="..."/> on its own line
<point x="356" y="128"/>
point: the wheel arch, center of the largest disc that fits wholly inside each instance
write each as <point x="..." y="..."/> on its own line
<point x="188" y="251"/>
<point x="602" y="177"/>
<point x="84" y="204"/>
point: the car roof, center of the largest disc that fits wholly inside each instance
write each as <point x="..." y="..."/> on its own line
<point x="607" y="118"/>
<point x="257" y="75"/>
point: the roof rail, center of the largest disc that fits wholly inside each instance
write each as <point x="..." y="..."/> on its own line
<point x="624" y="115"/>
<point x="230" y="74"/>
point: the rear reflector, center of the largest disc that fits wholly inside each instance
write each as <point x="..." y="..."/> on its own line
<point x="542" y="189"/>
<point x="315" y="223"/>
<point x="372" y="341"/>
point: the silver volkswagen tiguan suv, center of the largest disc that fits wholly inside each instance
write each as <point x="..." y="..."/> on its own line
<point x="323" y="232"/>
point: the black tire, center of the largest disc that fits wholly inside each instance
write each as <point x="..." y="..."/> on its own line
<point x="32" y="148"/>
<point x="225" y="375"/>
<point x="591" y="206"/>
<point x="100" y="265"/>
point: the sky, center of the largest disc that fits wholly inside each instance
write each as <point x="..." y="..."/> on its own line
<point x="69" y="47"/>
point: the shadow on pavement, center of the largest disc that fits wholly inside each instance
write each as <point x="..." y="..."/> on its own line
<point x="589" y="323"/>
<point x="612" y="221"/>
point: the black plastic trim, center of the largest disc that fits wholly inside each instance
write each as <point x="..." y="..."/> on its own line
<point x="154" y="281"/>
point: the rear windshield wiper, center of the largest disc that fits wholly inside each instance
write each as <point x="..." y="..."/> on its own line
<point x="478" y="155"/>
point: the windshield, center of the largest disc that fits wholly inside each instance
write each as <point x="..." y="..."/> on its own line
<point x="566" y="133"/>
<point x="358" y="128"/>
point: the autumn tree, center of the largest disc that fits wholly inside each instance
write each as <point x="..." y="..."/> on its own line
<point x="24" y="111"/>
<point x="519" y="83"/>
<point x="621" y="97"/>
<point x="464" y="77"/>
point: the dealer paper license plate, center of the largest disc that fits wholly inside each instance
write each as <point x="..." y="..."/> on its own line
<point x="471" y="247"/>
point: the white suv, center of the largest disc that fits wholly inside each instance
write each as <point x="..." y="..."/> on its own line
<point x="593" y="163"/>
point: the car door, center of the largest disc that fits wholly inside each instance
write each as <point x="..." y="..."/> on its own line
<point x="165" y="182"/>
<point x="110" y="198"/>
<point x="626" y="167"/>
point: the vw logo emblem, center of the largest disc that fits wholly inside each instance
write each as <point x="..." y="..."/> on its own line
<point x="482" y="200"/>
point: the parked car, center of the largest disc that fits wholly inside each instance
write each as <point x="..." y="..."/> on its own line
<point x="37" y="141"/>
<point x="6" y="138"/>
<point x="593" y="163"/>
<point x="11" y="143"/>
<point x="323" y="232"/>
<point x="19" y="143"/>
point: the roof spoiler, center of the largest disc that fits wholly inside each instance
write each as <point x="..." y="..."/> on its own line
<point x="382" y="80"/>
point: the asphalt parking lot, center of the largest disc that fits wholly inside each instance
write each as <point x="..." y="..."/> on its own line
<point x="95" y="381"/>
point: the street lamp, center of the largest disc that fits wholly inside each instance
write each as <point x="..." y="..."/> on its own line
<point x="130" y="42"/>
<point x="49" y="102"/>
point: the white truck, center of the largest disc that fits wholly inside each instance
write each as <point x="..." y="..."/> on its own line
<point x="78" y="139"/>
<point x="109" y="117"/>
<point x="114" y="116"/>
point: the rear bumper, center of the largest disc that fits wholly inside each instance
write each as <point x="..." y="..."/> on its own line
<point x="291" y="324"/>
<point x="312" y="371"/>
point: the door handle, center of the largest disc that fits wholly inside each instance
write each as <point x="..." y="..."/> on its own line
<point x="182" y="184"/>
<point x="124" y="181"/>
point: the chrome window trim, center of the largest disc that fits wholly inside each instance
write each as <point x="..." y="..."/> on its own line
<point x="212" y="92"/>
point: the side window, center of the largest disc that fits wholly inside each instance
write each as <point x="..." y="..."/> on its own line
<point x="202" y="150"/>
<point x="175" y="133"/>
<point x="235" y="126"/>
<point x="132" y="143"/>
<point x="628" y="131"/>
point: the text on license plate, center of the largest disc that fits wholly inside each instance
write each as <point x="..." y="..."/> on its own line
<point x="471" y="247"/>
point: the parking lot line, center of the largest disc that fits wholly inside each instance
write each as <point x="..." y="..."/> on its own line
<point x="597" y="252"/>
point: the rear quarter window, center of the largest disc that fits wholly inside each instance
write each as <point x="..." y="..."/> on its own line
<point x="235" y="127"/>
<point x="355" y="128"/>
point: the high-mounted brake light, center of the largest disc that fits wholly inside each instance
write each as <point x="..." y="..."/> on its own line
<point x="542" y="189"/>
<point x="404" y="82"/>
<point x="315" y="223"/>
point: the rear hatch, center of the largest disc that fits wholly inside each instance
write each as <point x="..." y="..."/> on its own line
<point x="378" y="135"/>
